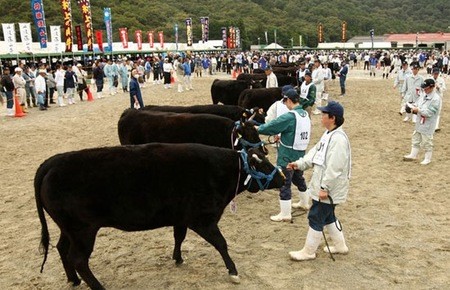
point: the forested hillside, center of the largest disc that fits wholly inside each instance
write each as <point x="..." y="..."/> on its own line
<point x="290" y="18"/>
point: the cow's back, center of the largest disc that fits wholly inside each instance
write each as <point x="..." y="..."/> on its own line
<point x="262" y="98"/>
<point x="140" y="127"/>
<point x="228" y="111"/>
<point x="227" y="91"/>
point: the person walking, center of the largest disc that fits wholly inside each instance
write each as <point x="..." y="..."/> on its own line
<point x="187" y="71"/>
<point x="440" y="89"/>
<point x="70" y="81"/>
<point x="318" y="79"/>
<point x="136" y="101"/>
<point x="427" y="110"/>
<point x="342" y="74"/>
<point x="295" y="129"/>
<point x="402" y="75"/>
<point x="98" y="76"/>
<point x="411" y="90"/>
<point x="330" y="159"/>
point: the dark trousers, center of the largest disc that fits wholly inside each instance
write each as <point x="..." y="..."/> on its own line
<point x="295" y="177"/>
<point x="321" y="214"/>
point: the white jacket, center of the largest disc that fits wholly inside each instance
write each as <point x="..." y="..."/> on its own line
<point x="335" y="172"/>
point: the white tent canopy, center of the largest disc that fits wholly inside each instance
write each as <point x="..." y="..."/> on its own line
<point x="274" y="45"/>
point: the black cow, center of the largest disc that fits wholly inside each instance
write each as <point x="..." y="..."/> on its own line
<point x="144" y="187"/>
<point x="140" y="127"/>
<point x="264" y="98"/>
<point x="227" y="91"/>
<point x="234" y="113"/>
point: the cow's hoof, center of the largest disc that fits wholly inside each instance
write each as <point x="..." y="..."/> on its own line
<point x="235" y="279"/>
<point x="179" y="262"/>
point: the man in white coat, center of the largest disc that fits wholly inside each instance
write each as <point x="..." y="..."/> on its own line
<point x="272" y="81"/>
<point x="330" y="159"/>
<point x="440" y="89"/>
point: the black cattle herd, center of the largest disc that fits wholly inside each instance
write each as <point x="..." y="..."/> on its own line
<point x="176" y="166"/>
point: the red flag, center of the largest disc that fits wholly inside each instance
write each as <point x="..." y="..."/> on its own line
<point x="161" y="38"/>
<point x="150" y="38"/>
<point x="138" y="38"/>
<point x="124" y="37"/>
<point x="67" y="14"/>
<point x="99" y="37"/>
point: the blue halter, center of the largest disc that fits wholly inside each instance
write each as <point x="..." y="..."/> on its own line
<point x="245" y="143"/>
<point x="256" y="175"/>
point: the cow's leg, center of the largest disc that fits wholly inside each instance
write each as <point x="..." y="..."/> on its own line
<point x="63" y="249"/>
<point x="212" y="235"/>
<point x="81" y="247"/>
<point x="179" y="233"/>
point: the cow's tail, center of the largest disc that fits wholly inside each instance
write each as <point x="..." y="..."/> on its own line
<point x="45" y="237"/>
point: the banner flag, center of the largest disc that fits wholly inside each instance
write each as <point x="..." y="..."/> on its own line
<point x="25" y="35"/>
<point x="176" y="36"/>
<point x="55" y="32"/>
<point x="150" y="39"/>
<point x="67" y="16"/>
<point x="9" y="33"/>
<point x="138" y="38"/>
<point x="85" y="6"/>
<point x="224" y="37"/>
<point x="99" y="38"/>
<point x="37" y="9"/>
<point x="205" y="28"/>
<point x="189" y="31"/>
<point x="108" y="25"/>
<point x="161" y="38"/>
<point x="238" y="38"/>
<point x="124" y="37"/>
<point x="267" y="39"/>
<point x="79" y="37"/>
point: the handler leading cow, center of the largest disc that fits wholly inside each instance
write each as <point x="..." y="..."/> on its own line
<point x="135" y="188"/>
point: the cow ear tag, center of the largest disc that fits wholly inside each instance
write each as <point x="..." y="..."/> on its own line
<point x="247" y="179"/>
<point x="233" y="206"/>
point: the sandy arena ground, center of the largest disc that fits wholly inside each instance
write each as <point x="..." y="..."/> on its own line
<point x="396" y="220"/>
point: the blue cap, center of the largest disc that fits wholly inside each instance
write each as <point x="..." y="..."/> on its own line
<point x="333" y="108"/>
<point x="292" y="95"/>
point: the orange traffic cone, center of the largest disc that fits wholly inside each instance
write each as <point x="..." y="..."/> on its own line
<point x="233" y="74"/>
<point x="19" y="112"/>
<point x="89" y="95"/>
<point x="172" y="80"/>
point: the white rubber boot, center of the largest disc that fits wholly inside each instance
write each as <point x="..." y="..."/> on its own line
<point x="180" y="88"/>
<point x="61" y="102"/>
<point x="407" y="118"/>
<point x="427" y="159"/>
<point x="304" y="201"/>
<point x="9" y="112"/>
<point x="337" y="237"/>
<point x="414" y="118"/>
<point x="99" y="95"/>
<point x="437" y="124"/>
<point x="285" y="212"/>
<point x="308" y="252"/>
<point x="413" y="155"/>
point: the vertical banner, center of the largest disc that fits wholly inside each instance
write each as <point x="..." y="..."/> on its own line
<point x="67" y="16"/>
<point x="189" y="31"/>
<point x="417" y="39"/>
<point x="151" y="39"/>
<point x="176" y="36"/>
<point x="231" y="37"/>
<point x="124" y="37"/>
<point x="79" y="38"/>
<point x="9" y="33"/>
<point x="85" y="6"/>
<point x="320" y="32"/>
<point x="99" y="38"/>
<point x="108" y="25"/>
<point x="267" y="39"/>
<point x="55" y="33"/>
<point x="205" y="28"/>
<point x="238" y="38"/>
<point x="138" y="39"/>
<point x="37" y="9"/>
<point x="161" y="38"/>
<point x="344" y="31"/>
<point x="25" y="35"/>
<point x="224" y="37"/>
<point x="275" y="35"/>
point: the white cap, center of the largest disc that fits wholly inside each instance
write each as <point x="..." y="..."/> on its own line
<point x="17" y="69"/>
<point x="79" y="65"/>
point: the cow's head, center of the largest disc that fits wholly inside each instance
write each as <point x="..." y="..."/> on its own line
<point x="263" y="174"/>
<point x="255" y="84"/>
<point x="249" y="137"/>
<point x="254" y="114"/>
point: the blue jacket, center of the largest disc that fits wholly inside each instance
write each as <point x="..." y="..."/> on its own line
<point x="187" y="69"/>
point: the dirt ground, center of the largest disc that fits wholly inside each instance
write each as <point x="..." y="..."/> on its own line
<point x="396" y="220"/>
